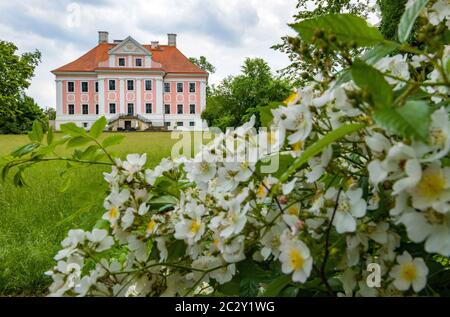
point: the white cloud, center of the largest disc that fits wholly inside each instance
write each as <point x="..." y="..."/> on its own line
<point x="225" y="31"/>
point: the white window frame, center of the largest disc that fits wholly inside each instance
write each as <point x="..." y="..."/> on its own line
<point x="82" y="108"/>
<point x="170" y="88"/>
<point x="151" y="107"/>
<point x="68" y="109"/>
<point x="109" y="108"/>
<point x="151" y="85"/>
<point x="182" y="88"/>
<point x="135" y="62"/>
<point x="124" y="60"/>
<point x="128" y="88"/>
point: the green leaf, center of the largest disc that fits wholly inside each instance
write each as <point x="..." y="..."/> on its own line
<point x="36" y="133"/>
<point x="50" y="136"/>
<point x="409" y="121"/>
<point x="102" y="224"/>
<point x="409" y="19"/>
<point x="372" y="80"/>
<point x="112" y="140"/>
<point x="347" y="28"/>
<point x="66" y="185"/>
<point x="78" y="141"/>
<point x="98" y="127"/>
<point x="176" y="250"/>
<point x="23" y="150"/>
<point x="89" y="153"/>
<point x="319" y="145"/>
<point x="277" y="285"/>
<point x="265" y="113"/>
<point x="370" y="57"/>
<point x="72" y="129"/>
<point x="164" y="200"/>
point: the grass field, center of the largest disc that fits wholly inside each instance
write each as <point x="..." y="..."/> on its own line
<point x="34" y="219"/>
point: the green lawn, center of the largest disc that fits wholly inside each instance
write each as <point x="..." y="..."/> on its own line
<point x="34" y="219"/>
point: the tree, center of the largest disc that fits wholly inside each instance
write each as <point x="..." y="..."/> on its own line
<point x="16" y="72"/>
<point x="206" y="66"/>
<point x="237" y="98"/>
<point x="203" y="64"/>
<point x="296" y="50"/>
<point x="50" y="113"/>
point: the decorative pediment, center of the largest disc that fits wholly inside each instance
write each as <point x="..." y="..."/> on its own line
<point x="129" y="46"/>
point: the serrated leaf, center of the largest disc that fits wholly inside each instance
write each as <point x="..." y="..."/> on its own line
<point x="166" y="200"/>
<point x="347" y="28"/>
<point x="277" y="285"/>
<point x="408" y="19"/>
<point x="72" y="129"/>
<point x="36" y="133"/>
<point x="372" y="80"/>
<point x="409" y="121"/>
<point x="370" y="57"/>
<point x="112" y="140"/>
<point x="98" y="127"/>
<point x="78" y="141"/>
<point x="176" y="250"/>
<point x="24" y="150"/>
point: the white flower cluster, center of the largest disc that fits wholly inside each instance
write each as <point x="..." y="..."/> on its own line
<point x="184" y="227"/>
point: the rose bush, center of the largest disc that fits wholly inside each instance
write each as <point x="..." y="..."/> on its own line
<point x="363" y="177"/>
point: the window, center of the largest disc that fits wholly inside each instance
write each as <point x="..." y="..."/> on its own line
<point x="96" y="86"/>
<point x="85" y="109"/>
<point x="130" y="84"/>
<point x="131" y="109"/>
<point x="112" y="108"/>
<point x="180" y="124"/>
<point x="192" y="109"/>
<point x="71" y="109"/>
<point x="179" y="87"/>
<point x="180" y="109"/>
<point x="166" y="87"/>
<point x="70" y="86"/>
<point x="191" y="87"/>
<point x="192" y="124"/>
<point x="112" y="84"/>
<point x="138" y="62"/>
<point x="167" y="109"/>
<point x="148" y="108"/>
<point x="84" y="86"/>
<point x="148" y="85"/>
<point x="121" y="61"/>
<point x="96" y="109"/>
<point x="85" y="124"/>
<point x="167" y="124"/>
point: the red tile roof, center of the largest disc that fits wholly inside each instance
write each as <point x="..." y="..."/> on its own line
<point x="171" y="59"/>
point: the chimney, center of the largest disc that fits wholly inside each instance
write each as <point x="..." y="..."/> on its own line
<point x="172" y="39"/>
<point x="102" y="37"/>
<point x="155" y="44"/>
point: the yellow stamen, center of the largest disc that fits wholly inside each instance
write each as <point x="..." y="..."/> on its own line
<point x="195" y="226"/>
<point x="408" y="272"/>
<point x="151" y="226"/>
<point x="113" y="213"/>
<point x="290" y="99"/>
<point x="296" y="147"/>
<point x="432" y="184"/>
<point x="296" y="259"/>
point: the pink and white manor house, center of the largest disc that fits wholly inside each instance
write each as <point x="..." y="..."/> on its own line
<point x="135" y="86"/>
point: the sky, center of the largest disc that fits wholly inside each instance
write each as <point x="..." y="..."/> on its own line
<point x="225" y="31"/>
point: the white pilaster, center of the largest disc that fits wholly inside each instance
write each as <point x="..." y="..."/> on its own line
<point x="159" y="96"/>
<point x="112" y="61"/>
<point x="130" y="61"/>
<point x="138" y="96"/>
<point x="59" y="101"/>
<point x="202" y="95"/>
<point x="101" y="97"/>
<point x="122" y="97"/>
<point x="147" y="62"/>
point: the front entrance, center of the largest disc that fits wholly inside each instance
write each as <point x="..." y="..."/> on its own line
<point x="127" y="125"/>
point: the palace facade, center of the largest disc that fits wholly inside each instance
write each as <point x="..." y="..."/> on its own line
<point x="135" y="86"/>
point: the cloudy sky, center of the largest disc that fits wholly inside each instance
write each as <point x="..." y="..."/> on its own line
<point x="225" y="31"/>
